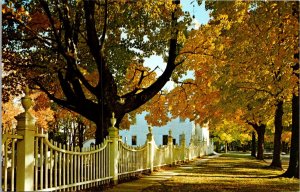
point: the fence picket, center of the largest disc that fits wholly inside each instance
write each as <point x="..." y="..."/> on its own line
<point x="72" y="167"/>
<point x="41" y="162"/>
<point x="51" y="165"/>
<point x="76" y="163"/>
<point x="81" y="167"/>
<point x="79" y="176"/>
<point x="87" y="168"/>
<point x="59" y="166"/>
<point x="36" y="163"/>
<point x="84" y="167"/>
<point x="55" y="166"/>
<point x="64" y="166"/>
<point x="46" y="166"/>
<point x="101" y="167"/>
<point x="93" y="165"/>
<point x="68" y="166"/>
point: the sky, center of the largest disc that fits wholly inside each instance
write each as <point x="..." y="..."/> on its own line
<point x="201" y="17"/>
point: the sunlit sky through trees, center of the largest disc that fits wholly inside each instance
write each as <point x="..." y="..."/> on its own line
<point x="201" y="17"/>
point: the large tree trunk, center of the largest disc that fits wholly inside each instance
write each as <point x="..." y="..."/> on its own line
<point x="260" y="130"/>
<point x="253" y="146"/>
<point x="276" y="161"/>
<point x="293" y="169"/>
<point x="80" y="129"/>
<point x="102" y="126"/>
<point x="217" y="144"/>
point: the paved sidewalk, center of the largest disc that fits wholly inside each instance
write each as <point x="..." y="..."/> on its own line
<point x="157" y="178"/>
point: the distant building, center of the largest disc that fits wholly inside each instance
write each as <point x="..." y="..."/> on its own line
<point x="137" y="134"/>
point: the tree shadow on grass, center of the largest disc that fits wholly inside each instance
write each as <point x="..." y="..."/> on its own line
<point x="227" y="174"/>
<point x="246" y="177"/>
<point x="215" y="187"/>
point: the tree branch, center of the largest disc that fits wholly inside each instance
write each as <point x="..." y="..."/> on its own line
<point x="93" y="42"/>
<point x="78" y="89"/>
<point x="57" y="37"/>
<point x="104" y="26"/>
<point x="85" y="82"/>
<point x="66" y="88"/>
<point x="84" y="107"/>
<point x="106" y="79"/>
<point x="55" y="99"/>
<point x="255" y="89"/>
<point x="136" y="100"/>
<point x="33" y="33"/>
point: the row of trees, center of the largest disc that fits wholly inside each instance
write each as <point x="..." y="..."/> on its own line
<point x="87" y="56"/>
<point x="246" y="64"/>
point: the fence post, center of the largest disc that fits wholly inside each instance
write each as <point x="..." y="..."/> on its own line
<point x="114" y="151"/>
<point x="182" y="145"/>
<point x="170" y="145"/>
<point x="25" y="147"/>
<point x="150" y="152"/>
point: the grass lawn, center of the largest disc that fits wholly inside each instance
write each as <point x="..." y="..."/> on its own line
<point x="229" y="172"/>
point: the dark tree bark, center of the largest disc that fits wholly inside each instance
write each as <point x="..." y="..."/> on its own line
<point x="276" y="161"/>
<point x="260" y="130"/>
<point x="260" y="141"/>
<point x="217" y="144"/>
<point x="102" y="133"/>
<point x="293" y="168"/>
<point x="80" y="128"/>
<point x="253" y="145"/>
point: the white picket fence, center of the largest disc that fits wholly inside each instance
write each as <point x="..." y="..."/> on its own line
<point x="33" y="163"/>
<point x="63" y="167"/>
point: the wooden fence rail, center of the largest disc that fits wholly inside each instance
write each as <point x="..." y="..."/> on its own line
<point x="31" y="162"/>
